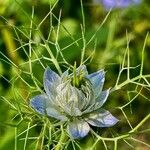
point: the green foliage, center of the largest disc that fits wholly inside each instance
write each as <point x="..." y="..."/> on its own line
<point x="35" y="35"/>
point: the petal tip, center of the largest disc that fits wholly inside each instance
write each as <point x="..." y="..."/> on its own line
<point x="38" y="103"/>
<point x="102" y="118"/>
<point x="78" y="129"/>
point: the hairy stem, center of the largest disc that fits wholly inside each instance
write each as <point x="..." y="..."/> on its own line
<point x="62" y="140"/>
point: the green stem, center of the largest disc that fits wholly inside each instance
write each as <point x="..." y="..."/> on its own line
<point x="62" y="140"/>
<point x="117" y="87"/>
<point x="55" y="62"/>
<point x="115" y="145"/>
<point x="140" y="124"/>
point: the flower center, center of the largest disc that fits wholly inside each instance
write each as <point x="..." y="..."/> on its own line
<point x="78" y="77"/>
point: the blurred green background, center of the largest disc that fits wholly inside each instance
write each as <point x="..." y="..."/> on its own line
<point x="110" y="43"/>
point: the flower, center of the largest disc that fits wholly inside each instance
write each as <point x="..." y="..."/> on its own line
<point x="78" y="106"/>
<point x="108" y="4"/>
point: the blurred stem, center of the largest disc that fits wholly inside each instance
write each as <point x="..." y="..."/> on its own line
<point x="62" y="140"/>
<point x="111" y="33"/>
<point x="112" y="27"/>
<point x="83" y="34"/>
<point x="13" y="56"/>
<point x="10" y="45"/>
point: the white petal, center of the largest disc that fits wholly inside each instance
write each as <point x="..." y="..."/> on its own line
<point x="53" y="112"/>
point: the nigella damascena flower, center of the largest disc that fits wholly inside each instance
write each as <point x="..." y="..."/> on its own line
<point x="108" y="4"/>
<point x="75" y="98"/>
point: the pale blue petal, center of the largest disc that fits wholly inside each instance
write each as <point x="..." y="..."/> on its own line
<point x="51" y="80"/>
<point x="101" y="118"/>
<point x="78" y="129"/>
<point x="101" y="99"/>
<point x="108" y="4"/>
<point x="54" y="113"/>
<point x="97" y="80"/>
<point x="39" y="103"/>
